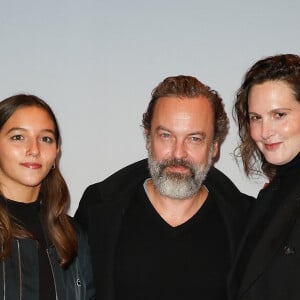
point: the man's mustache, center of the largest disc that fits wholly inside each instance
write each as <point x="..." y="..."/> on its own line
<point x="176" y="163"/>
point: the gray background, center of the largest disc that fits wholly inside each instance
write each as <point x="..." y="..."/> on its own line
<point x="96" y="63"/>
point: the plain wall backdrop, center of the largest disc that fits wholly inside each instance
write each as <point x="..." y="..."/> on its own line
<point x="96" y="63"/>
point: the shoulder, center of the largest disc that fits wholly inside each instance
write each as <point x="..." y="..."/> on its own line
<point x="126" y="177"/>
<point x="217" y="177"/>
<point x="223" y="186"/>
<point x="82" y="237"/>
<point x="132" y="172"/>
<point x="113" y="187"/>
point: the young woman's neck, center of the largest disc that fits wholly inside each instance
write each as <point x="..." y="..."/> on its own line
<point x="21" y="194"/>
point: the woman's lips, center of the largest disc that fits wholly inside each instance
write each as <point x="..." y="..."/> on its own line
<point x="272" y="146"/>
<point x="31" y="165"/>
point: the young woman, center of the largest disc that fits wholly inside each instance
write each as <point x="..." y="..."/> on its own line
<point x="43" y="254"/>
<point x="267" y="109"/>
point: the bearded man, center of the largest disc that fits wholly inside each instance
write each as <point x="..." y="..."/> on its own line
<point x="167" y="227"/>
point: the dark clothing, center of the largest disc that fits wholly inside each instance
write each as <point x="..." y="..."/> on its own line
<point x="32" y="270"/>
<point x="268" y="261"/>
<point x="104" y="211"/>
<point x="157" y="261"/>
<point x="28" y="215"/>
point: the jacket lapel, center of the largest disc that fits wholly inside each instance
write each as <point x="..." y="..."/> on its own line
<point x="273" y="237"/>
<point x="107" y="220"/>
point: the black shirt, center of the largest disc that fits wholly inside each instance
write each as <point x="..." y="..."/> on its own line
<point x="157" y="261"/>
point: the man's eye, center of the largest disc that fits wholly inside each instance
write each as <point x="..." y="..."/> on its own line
<point x="195" y="139"/>
<point x="165" y="135"/>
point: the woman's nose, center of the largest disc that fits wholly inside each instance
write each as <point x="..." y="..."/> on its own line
<point x="266" y="129"/>
<point x="33" y="148"/>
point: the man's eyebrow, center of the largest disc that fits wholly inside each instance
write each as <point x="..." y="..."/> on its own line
<point x="202" y="133"/>
<point x="162" y="128"/>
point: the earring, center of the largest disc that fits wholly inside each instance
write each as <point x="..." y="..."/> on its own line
<point x="53" y="167"/>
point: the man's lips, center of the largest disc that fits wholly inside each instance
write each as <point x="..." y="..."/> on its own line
<point x="178" y="169"/>
<point x="31" y="165"/>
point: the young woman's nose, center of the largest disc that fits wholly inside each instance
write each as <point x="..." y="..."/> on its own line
<point x="33" y="148"/>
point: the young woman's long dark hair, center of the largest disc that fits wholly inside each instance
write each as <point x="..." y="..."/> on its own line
<point x="54" y="195"/>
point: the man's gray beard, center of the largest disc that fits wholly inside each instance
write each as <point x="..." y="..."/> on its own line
<point x="176" y="185"/>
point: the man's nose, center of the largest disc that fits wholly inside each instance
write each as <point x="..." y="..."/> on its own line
<point x="180" y="150"/>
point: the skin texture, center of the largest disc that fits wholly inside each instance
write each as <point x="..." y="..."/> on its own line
<point x="27" y="153"/>
<point x="274" y="115"/>
<point x="181" y="128"/>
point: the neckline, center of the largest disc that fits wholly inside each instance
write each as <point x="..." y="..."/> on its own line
<point x="289" y="168"/>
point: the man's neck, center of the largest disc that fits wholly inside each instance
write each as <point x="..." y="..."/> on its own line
<point x="176" y="211"/>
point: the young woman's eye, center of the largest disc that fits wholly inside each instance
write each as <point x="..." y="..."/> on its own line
<point x="17" y="137"/>
<point x="47" y="139"/>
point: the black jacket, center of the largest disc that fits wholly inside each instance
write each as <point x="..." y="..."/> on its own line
<point x="103" y="205"/>
<point x="273" y="268"/>
<point x="19" y="278"/>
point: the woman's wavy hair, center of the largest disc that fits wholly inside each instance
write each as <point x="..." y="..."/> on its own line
<point x="283" y="67"/>
<point x="54" y="194"/>
<point x="190" y="87"/>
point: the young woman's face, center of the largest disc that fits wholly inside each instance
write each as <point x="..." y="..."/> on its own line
<point x="28" y="150"/>
<point x="274" y="115"/>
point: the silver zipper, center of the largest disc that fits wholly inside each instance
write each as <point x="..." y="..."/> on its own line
<point x="4" y="277"/>
<point x="49" y="258"/>
<point x="20" y="269"/>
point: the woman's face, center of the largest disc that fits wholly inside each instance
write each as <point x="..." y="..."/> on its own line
<point x="274" y="115"/>
<point x="28" y="150"/>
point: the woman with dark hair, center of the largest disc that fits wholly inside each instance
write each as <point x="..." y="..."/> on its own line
<point x="43" y="253"/>
<point x="267" y="109"/>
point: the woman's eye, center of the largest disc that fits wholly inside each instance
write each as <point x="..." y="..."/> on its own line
<point x="254" y="118"/>
<point x="17" y="137"/>
<point x="279" y="115"/>
<point x="47" y="139"/>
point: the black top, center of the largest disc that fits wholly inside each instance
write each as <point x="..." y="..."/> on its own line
<point x="157" y="261"/>
<point x="28" y="215"/>
<point x="269" y="200"/>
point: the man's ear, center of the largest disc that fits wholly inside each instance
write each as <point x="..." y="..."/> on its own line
<point x="147" y="138"/>
<point x="215" y="149"/>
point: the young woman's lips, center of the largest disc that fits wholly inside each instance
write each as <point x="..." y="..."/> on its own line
<point x="272" y="146"/>
<point x="30" y="165"/>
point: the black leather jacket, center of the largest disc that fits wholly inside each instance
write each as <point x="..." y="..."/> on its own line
<point x="19" y="278"/>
